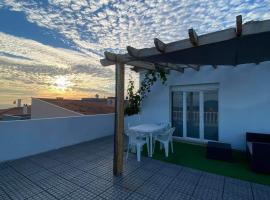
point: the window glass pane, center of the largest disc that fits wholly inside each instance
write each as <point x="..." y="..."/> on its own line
<point x="177" y="113"/>
<point x="211" y="115"/>
<point x="193" y="114"/>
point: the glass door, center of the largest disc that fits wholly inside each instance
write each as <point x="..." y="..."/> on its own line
<point x="177" y="113"/>
<point x="195" y="113"/>
<point x="210" y="115"/>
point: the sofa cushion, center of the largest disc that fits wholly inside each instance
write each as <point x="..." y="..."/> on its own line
<point x="257" y="137"/>
<point x="249" y="145"/>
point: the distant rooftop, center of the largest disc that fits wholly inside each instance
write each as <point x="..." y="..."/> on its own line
<point x="83" y="106"/>
<point x="14" y="111"/>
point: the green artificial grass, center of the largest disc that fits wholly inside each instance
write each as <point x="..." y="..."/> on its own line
<point x="194" y="156"/>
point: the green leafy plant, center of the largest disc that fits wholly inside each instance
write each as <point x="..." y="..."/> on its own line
<point x="135" y="98"/>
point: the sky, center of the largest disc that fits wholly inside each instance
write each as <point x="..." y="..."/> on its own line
<point x="51" y="48"/>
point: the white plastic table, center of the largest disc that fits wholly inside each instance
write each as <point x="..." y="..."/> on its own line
<point x="150" y="130"/>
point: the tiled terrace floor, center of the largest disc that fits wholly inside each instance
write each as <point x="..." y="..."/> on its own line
<point x="84" y="171"/>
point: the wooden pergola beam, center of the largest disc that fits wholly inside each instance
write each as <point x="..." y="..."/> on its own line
<point x="193" y="37"/>
<point x="132" y="51"/>
<point x="142" y="65"/>
<point x="134" y="54"/>
<point x="239" y="23"/>
<point x="247" y="29"/>
<point x="152" y="66"/>
<point x="160" y="46"/>
<point x="119" y="120"/>
<point x="105" y="62"/>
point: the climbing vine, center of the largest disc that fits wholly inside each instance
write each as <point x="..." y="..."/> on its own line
<point x="135" y="98"/>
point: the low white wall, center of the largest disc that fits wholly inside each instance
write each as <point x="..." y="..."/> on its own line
<point x="42" y="109"/>
<point x="244" y="99"/>
<point x="28" y="137"/>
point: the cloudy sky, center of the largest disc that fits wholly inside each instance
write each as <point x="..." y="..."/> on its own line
<point x="52" y="48"/>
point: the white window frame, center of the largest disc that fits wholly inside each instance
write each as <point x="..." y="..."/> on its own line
<point x="201" y="88"/>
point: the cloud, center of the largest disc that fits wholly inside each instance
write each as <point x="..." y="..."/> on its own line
<point x="26" y="63"/>
<point x="93" y="26"/>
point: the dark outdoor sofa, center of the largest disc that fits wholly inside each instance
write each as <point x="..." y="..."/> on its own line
<point x="258" y="151"/>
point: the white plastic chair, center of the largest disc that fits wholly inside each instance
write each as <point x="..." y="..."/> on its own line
<point x="165" y="139"/>
<point x="137" y="141"/>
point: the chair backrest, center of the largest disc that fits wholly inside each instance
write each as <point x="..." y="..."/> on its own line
<point x="171" y="131"/>
<point x="132" y="136"/>
<point x="168" y="133"/>
<point x="165" y="125"/>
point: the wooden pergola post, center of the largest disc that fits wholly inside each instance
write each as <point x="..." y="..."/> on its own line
<point x="119" y="119"/>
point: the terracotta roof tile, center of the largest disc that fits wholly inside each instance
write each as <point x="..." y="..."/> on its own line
<point x="83" y="107"/>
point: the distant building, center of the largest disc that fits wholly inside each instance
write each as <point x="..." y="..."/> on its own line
<point x="111" y="101"/>
<point x="59" y="107"/>
<point x="94" y="99"/>
<point x="15" y="113"/>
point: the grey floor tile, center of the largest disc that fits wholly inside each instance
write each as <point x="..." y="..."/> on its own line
<point x="115" y="192"/>
<point x="159" y="179"/>
<point x="228" y="196"/>
<point x="137" y="196"/>
<point x="237" y="188"/>
<point x="256" y="186"/>
<point x="4" y="165"/>
<point x="62" y="189"/>
<point x="44" y="174"/>
<point x="70" y="173"/>
<point x="83" y="179"/>
<point x="84" y="171"/>
<point x="260" y="192"/>
<point x="21" y="189"/>
<point x="151" y="190"/>
<point x="212" y="182"/>
<point x="174" y="195"/>
<point x="182" y="186"/>
<point x="98" y="186"/>
<point x="207" y="194"/>
<point x="170" y="171"/>
<point x="130" y="183"/>
<point x="80" y="194"/>
<point x="59" y="168"/>
<point x="50" y="182"/>
<point x="3" y="195"/>
<point x="42" y="196"/>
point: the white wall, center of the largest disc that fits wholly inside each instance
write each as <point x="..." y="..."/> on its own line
<point x="244" y="99"/>
<point x="29" y="137"/>
<point x="42" y="109"/>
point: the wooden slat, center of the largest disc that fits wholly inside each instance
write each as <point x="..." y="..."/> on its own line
<point x="176" y="67"/>
<point x="160" y="46"/>
<point x="193" y="37"/>
<point x="105" y="62"/>
<point x="152" y="66"/>
<point x="239" y="25"/>
<point x="110" y="56"/>
<point x="132" y="51"/>
<point x="142" y="65"/>
<point x="119" y="120"/>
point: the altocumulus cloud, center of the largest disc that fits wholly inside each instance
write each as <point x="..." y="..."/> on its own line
<point x="93" y="26"/>
<point x="27" y="62"/>
<point x="96" y="25"/>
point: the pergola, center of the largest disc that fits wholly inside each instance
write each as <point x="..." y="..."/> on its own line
<point x="246" y="43"/>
